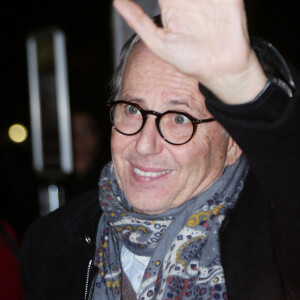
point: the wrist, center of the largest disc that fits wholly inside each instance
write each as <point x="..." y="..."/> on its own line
<point x="241" y="87"/>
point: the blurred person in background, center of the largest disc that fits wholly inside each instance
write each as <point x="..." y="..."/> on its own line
<point x="86" y="142"/>
<point x="88" y="158"/>
<point x="10" y="288"/>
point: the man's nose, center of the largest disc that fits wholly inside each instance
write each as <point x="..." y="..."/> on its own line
<point x="149" y="141"/>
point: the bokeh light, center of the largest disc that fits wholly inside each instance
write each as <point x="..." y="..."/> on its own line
<point x="18" y="133"/>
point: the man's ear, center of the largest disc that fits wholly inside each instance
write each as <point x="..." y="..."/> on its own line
<point x="233" y="152"/>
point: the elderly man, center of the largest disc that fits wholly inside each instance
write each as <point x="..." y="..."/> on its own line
<point x="191" y="210"/>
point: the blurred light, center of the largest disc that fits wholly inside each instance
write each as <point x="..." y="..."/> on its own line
<point x="17" y="133"/>
<point x="53" y="197"/>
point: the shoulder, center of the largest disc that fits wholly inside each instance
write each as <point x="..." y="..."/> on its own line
<point x="65" y="223"/>
<point x="53" y="247"/>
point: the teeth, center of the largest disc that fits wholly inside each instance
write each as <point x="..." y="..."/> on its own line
<point x="150" y="174"/>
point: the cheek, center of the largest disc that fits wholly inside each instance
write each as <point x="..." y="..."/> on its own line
<point x="117" y="150"/>
<point x="214" y="144"/>
<point x="113" y="141"/>
<point x="201" y="144"/>
<point x="194" y="154"/>
<point x="209" y="146"/>
<point x="118" y="146"/>
<point x="118" y="143"/>
<point x="122" y="147"/>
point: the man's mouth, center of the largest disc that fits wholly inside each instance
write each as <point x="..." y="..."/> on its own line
<point x="150" y="174"/>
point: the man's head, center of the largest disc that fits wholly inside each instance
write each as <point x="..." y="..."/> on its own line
<point x="154" y="174"/>
<point x="86" y="140"/>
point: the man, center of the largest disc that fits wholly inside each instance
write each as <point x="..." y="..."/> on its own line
<point x="10" y="288"/>
<point x="185" y="216"/>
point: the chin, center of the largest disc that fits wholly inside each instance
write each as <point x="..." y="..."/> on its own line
<point x="146" y="209"/>
<point x="151" y="211"/>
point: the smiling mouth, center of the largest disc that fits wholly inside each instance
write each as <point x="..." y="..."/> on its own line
<point x="150" y="174"/>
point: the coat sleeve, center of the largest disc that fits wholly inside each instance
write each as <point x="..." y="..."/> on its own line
<point x="268" y="131"/>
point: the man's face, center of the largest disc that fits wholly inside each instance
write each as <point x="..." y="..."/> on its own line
<point x="155" y="175"/>
<point x="85" y="142"/>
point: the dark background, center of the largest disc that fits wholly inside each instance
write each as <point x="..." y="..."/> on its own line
<point x="89" y="50"/>
<point x="89" y="53"/>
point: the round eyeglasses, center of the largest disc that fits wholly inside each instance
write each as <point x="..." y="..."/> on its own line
<point x="175" y="127"/>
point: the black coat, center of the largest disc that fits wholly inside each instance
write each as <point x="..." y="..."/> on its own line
<point x="260" y="237"/>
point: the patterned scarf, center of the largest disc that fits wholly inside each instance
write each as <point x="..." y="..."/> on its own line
<point x="183" y="242"/>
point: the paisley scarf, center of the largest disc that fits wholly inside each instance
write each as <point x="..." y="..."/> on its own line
<point x="183" y="242"/>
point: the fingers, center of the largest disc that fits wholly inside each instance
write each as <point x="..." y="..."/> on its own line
<point x="139" y="21"/>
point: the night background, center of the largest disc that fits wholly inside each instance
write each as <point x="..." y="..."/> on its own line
<point x="87" y="26"/>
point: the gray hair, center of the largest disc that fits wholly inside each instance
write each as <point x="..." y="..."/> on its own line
<point x="116" y="82"/>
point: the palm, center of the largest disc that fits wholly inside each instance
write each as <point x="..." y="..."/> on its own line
<point x="206" y="39"/>
<point x="197" y="35"/>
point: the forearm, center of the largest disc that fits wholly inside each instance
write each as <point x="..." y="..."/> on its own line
<point x="267" y="128"/>
<point x="243" y="86"/>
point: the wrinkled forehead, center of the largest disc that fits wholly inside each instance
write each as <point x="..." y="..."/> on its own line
<point x="141" y="59"/>
<point x="146" y="75"/>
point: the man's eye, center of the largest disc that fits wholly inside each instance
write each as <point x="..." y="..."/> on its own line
<point x="132" y="110"/>
<point x="180" y="119"/>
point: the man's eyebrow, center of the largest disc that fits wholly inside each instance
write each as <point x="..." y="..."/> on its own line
<point x="134" y="100"/>
<point x="177" y="102"/>
<point x="172" y="102"/>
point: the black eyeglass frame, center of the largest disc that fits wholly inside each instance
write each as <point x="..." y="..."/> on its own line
<point x="158" y="116"/>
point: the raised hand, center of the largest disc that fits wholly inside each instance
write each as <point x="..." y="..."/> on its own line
<point x="206" y="39"/>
